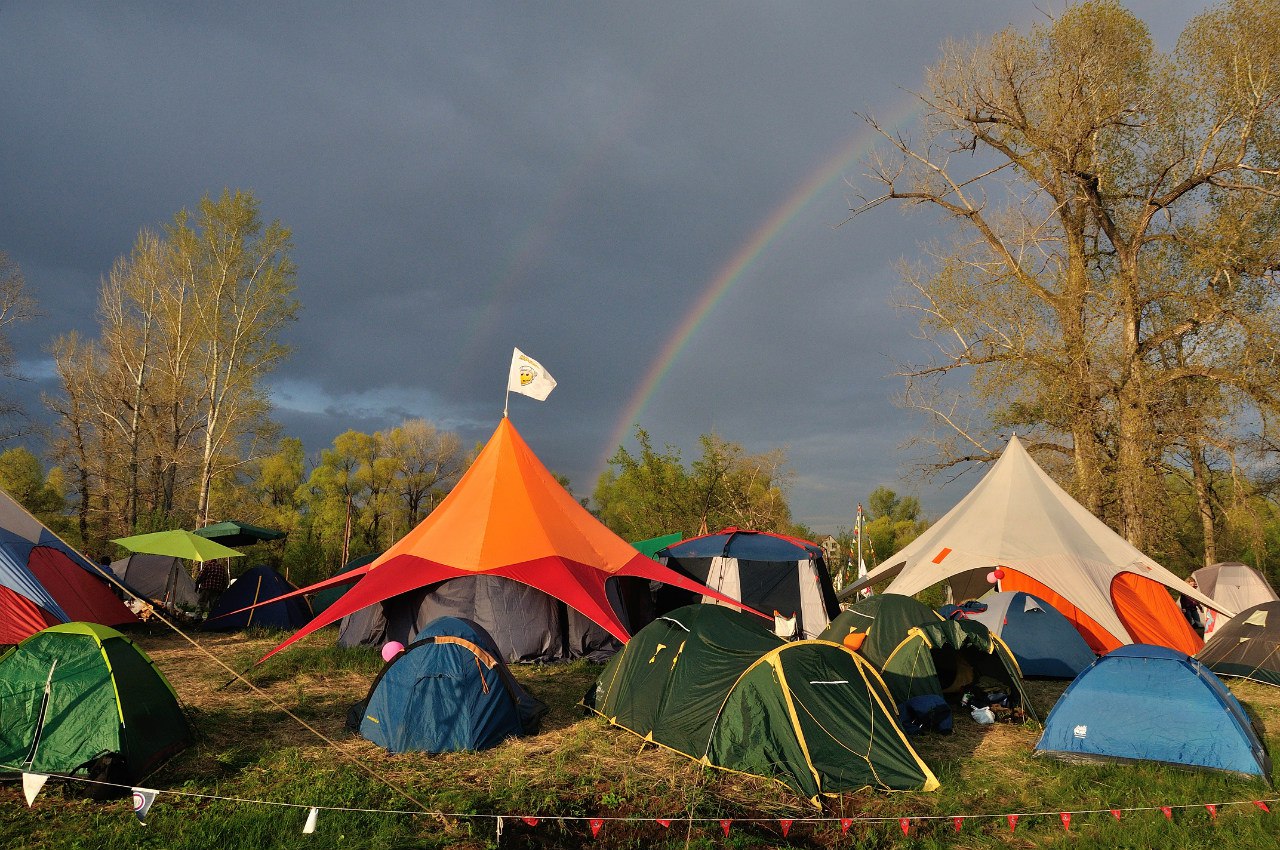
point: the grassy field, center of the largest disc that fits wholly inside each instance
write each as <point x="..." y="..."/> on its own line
<point x="251" y="754"/>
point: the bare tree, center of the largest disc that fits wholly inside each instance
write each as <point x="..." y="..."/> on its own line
<point x="1108" y="204"/>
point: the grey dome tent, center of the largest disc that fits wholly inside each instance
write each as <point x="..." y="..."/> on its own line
<point x="163" y="579"/>
<point x="1248" y="647"/>
<point x="525" y="623"/>
<point x="1233" y="585"/>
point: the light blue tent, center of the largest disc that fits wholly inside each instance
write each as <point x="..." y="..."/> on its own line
<point x="1151" y="703"/>
<point x="1044" y="642"/>
<point x="448" y="691"/>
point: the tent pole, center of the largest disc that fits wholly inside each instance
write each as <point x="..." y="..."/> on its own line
<point x="44" y="709"/>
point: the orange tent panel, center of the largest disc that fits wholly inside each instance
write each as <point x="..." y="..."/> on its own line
<point x="1150" y="614"/>
<point x="1143" y="606"/>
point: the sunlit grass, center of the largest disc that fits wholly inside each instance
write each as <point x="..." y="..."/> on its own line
<point x="578" y="767"/>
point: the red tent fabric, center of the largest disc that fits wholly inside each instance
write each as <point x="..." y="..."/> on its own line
<point x="83" y="597"/>
<point x="508" y="517"/>
<point x="43" y="581"/>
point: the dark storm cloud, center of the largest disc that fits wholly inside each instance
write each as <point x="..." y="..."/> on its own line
<point x="462" y="178"/>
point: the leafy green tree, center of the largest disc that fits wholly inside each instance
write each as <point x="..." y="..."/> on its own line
<point x="892" y="523"/>
<point x="653" y="493"/>
<point x="23" y="477"/>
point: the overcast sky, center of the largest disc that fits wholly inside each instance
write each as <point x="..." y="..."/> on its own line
<point x="645" y="197"/>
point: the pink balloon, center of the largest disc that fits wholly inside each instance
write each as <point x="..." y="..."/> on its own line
<point x="391" y="650"/>
<point x="992" y="578"/>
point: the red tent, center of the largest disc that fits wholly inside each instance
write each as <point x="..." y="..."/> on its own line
<point x="507" y="517"/>
<point x="43" y="581"/>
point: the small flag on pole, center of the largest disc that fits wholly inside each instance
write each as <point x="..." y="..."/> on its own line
<point x="31" y="785"/>
<point x="528" y="377"/>
<point x="142" y="800"/>
<point x="312" y="816"/>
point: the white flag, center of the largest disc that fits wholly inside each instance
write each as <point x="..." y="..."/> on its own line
<point x="142" y="800"/>
<point x="31" y="785"/>
<point x="310" y="826"/>
<point x="529" y="378"/>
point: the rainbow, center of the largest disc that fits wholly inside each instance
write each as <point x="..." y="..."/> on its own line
<point x="768" y="230"/>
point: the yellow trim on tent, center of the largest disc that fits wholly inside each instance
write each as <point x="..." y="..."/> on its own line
<point x="112" y="677"/>
<point x="256" y="591"/>
<point x="775" y="661"/>
<point x="864" y="666"/>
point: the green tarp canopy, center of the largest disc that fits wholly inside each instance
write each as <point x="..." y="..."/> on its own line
<point x="650" y="547"/>
<point x="885" y="619"/>
<point x="948" y="656"/>
<point x="103" y="695"/>
<point x="233" y="533"/>
<point x="716" y="685"/>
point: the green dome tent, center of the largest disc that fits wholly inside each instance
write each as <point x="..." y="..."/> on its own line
<point x="75" y="691"/>
<point x="717" y="686"/>
<point x="885" y="619"/>
<point x="945" y="657"/>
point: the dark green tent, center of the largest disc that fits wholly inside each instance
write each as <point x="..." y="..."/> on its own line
<point x="75" y="691"/>
<point x="717" y="686"/>
<point x="330" y="595"/>
<point x="946" y="657"/>
<point x="884" y="618"/>
<point x="234" y="533"/>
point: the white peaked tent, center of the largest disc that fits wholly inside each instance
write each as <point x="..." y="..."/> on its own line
<point x="1233" y="585"/>
<point x="1046" y="543"/>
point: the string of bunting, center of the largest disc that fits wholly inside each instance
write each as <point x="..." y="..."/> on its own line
<point x="143" y="798"/>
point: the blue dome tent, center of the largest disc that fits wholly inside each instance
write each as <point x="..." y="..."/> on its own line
<point x="448" y="691"/>
<point x="1151" y="703"/>
<point x="1044" y="642"/>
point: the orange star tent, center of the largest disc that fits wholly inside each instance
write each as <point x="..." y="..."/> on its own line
<point x="507" y="517"/>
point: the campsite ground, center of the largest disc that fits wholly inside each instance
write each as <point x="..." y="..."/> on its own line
<point x="255" y="770"/>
